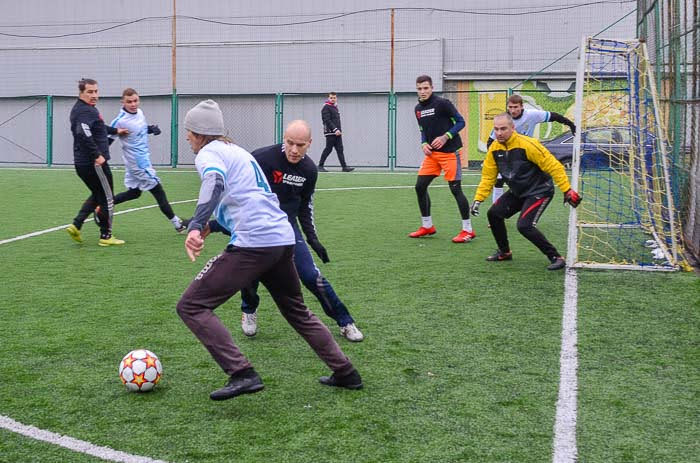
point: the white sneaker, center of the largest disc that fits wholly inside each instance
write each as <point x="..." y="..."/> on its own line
<point x="351" y="333"/>
<point x="249" y="323"/>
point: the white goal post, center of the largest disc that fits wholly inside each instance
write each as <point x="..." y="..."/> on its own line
<point x="627" y="219"/>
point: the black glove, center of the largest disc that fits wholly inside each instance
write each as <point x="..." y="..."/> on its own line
<point x="572" y="198"/>
<point x="154" y="129"/>
<point x="573" y="129"/>
<point x="319" y="250"/>
<point x="475" y="208"/>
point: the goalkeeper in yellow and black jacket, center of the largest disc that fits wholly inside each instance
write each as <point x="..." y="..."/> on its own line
<point x="530" y="172"/>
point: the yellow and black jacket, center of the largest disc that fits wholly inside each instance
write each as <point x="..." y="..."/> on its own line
<point x="526" y="166"/>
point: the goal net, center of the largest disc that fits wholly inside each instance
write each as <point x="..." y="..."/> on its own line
<point x="627" y="218"/>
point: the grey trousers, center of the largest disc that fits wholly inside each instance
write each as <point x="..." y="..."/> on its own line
<point x="236" y="268"/>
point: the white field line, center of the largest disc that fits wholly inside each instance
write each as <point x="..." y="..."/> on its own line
<point x="61" y="227"/>
<point x="70" y="443"/>
<point x="565" y="426"/>
<point x="180" y="170"/>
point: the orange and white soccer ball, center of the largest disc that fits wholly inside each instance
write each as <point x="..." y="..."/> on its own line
<point x="140" y="370"/>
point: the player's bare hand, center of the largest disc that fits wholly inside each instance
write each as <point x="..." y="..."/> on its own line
<point x="439" y="142"/>
<point x="99" y="160"/>
<point x="338" y="133"/>
<point x="194" y="243"/>
<point x="121" y="132"/>
<point x="426" y="149"/>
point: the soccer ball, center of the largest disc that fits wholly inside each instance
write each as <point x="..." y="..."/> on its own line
<point x="140" y="370"/>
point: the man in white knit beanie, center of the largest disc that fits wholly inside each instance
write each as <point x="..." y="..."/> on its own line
<point x="261" y="248"/>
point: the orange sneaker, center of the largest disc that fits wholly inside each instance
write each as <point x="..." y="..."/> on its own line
<point x="422" y="231"/>
<point x="464" y="237"/>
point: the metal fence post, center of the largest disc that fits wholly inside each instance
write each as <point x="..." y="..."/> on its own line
<point x="279" y="117"/>
<point x="173" y="129"/>
<point x="49" y="130"/>
<point x="392" y="131"/>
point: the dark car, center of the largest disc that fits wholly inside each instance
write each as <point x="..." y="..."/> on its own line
<point x="600" y="146"/>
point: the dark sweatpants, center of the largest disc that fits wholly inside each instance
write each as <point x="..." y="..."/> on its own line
<point x="98" y="178"/>
<point x="530" y="208"/>
<point x="333" y="141"/>
<point x="237" y="268"/>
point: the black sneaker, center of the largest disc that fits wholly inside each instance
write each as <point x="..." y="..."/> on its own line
<point x="242" y="382"/>
<point x="558" y="263"/>
<point x="322" y="169"/>
<point x="350" y="381"/>
<point x="499" y="256"/>
<point x="348" y="169"/>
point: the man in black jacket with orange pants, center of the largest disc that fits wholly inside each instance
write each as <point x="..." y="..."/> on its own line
<point x="90" y="156"/>
<point x="334" y="136"/>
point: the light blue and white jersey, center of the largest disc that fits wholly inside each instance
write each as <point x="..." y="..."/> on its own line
<point x="135" y="145"/>
<point x="525" y="124"/>
<point x="248" y="208"/>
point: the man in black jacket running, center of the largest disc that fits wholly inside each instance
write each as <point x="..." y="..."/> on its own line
<point x="90" y="156"/>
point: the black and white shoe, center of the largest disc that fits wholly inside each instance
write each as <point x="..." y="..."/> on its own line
<point x="183" y="226"/>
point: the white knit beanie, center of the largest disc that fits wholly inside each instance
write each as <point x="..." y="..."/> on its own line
<point x="205" y="119"/>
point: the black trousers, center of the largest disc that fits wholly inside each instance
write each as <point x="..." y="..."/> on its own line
<point x="530" y="208"/>
<point x="336" y="142"/>
<point x="158" y="193"/>
<point x="235" y="269"/>
<point x="99" y="180"/>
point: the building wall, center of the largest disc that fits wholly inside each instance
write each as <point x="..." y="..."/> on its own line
<point x="251" y="48"/>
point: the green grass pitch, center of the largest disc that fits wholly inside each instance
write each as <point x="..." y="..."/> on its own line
<point x="460" y="360"/>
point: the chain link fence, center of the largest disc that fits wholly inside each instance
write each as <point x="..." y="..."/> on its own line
<point x="672" y="32"/>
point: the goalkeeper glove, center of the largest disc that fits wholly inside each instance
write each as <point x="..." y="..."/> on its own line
<point x="475" y="208"/>
<point x="154" y="129"/>
<point x="319" y="250"/>
<point x="572" y="198"/>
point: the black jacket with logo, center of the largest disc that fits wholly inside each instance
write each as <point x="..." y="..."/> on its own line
<point x="89" y="134"/>
<point x="294" y="185"/>
<point x="331" y="119"/>
<point x="436" y="117"/>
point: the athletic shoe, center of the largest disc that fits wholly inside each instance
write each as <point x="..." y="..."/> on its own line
<point x="249" y="323"/>
<point x="348" y="169"/>
<point x="243" y="382"/>
<point x="351" y="333"/>
<point x="558" y="263"/>
<point x="422" y="231"/>
<point x="183" y="225"/>
<point x="74" y="233"/>
<point x="95" y="216"/>
<point x="322" y="169"/>
<point x="464" y="237"/>
<point x="350" y="381"/>
<point x="499" y="256"/>
<point x="111" y="241"/>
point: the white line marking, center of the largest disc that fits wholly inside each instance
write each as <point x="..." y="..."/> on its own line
<point x="565" y="426"/>
<point x="76" y="445"/>
<point x="180" y="170"/>
<point x="61" y="227"/>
